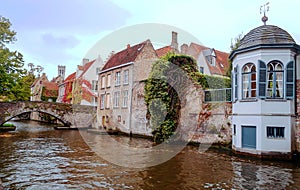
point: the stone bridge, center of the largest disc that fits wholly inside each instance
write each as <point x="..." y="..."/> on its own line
<point x="70" y="115"/>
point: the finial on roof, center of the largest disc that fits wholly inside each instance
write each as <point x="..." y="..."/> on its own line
<point x="263" y="9"/>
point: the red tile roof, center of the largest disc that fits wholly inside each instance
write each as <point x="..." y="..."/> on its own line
<point x="163" y="51"/>
<point x="222" y="61"/>
<point x="70" y="77"/>
<point x="222" y="64"/>
<point x="195" y="50"/>
<point x="125" y="56"/>
<point x="51" y="89"/>
<point x="50" y="85"/>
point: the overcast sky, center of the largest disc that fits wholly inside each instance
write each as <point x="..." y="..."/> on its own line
<point x="61" y="32"/>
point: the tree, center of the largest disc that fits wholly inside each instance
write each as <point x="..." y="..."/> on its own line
<point x="234" y="45"/>
<point x="13" y="85"/>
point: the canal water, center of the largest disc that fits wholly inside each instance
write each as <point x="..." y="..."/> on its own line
<point x="36" y="156"/>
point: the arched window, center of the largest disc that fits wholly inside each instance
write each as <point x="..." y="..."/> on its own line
<point x="249" y="81"/>
<point x="275" y="80"/>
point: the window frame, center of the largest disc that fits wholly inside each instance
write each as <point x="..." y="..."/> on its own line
<point x="275" y="130"/>
<point x="251" y="83"/>
<point x="116" y="98"/>
<point x="271" y="94"/>
<point x="102" y="101"/>
<point x="107" y="100"/>
<point x="126" y="77"/>
<point x="102" y="82"/>
<point x="125" y="99"/>
<point x="95" y="85"/>
<point x="118" y="78"/>
<point x="108" y="81"/>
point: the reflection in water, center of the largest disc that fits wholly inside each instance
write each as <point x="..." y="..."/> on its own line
<point x="249" y="176"/>
<point x="38" y="157"/>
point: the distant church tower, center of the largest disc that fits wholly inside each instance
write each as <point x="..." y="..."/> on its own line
<point x="61" y="71"/>
<point x="264" y="88"/>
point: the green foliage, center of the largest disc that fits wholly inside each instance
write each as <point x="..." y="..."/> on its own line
<point x="14" y="79"/>
<point x="167" y="82"/>
<point x="49" y="94"/>
<point x="210" y="82"/>
<point x="8" y="125"/>
<point x="169" y="79"/>
<point x="234" y="45"/>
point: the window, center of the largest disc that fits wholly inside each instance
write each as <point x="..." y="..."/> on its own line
<point x="103" y="82"/>
<point x="116" y="99"/>
<point x="126" y="76"/>
<point x="97" y="71"/>
<point x="249" y="81"/>
<point x="108" y="80"/>
<point x="275" y="80"/>
<point x="275" y="132"/>
<point x="95" y="101"/>
<point x="119" y="118"/>
<point x="102" y="101"/>
<point x="125" y="99"/>
<point x="201" y="69"/>
<point x="117" y="79"/>
<point x="234" y="129"/>
<point x="107" y="101"/>
<point x="235" y="83"/>
<point x="94" y="85"/>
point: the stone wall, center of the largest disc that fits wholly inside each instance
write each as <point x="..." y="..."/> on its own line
<point x="205" y="122"/>
<point x="70" y="115"/>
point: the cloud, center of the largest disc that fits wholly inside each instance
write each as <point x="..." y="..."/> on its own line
<point x="75" y="16"/>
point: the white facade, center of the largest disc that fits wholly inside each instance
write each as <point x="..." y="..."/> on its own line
<point x="263" y="89"/>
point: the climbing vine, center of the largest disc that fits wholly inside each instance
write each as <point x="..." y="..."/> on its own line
<point x="169" y="79"/>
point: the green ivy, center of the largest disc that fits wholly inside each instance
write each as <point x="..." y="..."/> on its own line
<point x="168" y="80"/>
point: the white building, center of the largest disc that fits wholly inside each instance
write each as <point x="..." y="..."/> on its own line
<point x="264" y="101"/>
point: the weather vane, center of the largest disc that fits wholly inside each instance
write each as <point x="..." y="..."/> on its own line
<point x="263" y="9"/>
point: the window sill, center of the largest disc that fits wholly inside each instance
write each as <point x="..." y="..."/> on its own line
<point x="117" y="85"/>
<point x="126" y="84"/>
<point x="249" y="100"/>
<point x="275" y="138"/>
<point x="275" y="100"/>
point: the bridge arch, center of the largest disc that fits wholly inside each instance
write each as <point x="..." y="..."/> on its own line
<point x="65" y="123"/>
<point x="78" y="116"/>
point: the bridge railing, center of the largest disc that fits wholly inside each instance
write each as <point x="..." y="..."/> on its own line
<point x="218" y="95"/>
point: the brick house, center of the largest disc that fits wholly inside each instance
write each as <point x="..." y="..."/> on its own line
<point x="121" y="90"/>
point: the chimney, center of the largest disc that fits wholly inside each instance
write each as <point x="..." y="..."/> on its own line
<point x="84" y="61"/>
<point x="128" y="46"/>
<point x="183" y="48"/>
<point x="174" y="43"/>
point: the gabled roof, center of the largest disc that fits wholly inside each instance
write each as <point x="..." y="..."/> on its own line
<point x="70" y="77"/>
<point x="43" y="77"/>
<point x="85" y="67"/>
<point x="222" y="64"/>
<point x="125" y="56"/>
<point x="51" y="89"/>
<point x="197" y="49"/>
<point x="50" y="85"/>
<point x="163" y="51"/>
